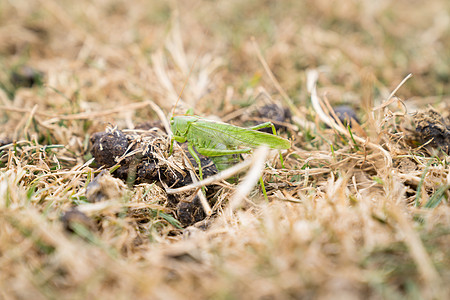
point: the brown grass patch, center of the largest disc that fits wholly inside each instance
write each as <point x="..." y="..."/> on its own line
<point x="358" y="211"/>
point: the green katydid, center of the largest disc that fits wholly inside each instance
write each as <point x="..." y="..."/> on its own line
<point x="219" y="141"/>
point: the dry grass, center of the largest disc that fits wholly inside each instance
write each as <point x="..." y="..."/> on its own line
<point x="360" y="213"/>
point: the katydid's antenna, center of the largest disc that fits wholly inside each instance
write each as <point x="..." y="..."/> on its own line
<point x="184" y="85"/>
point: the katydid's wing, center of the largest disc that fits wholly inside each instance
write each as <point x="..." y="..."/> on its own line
<point x="231" y="135"/>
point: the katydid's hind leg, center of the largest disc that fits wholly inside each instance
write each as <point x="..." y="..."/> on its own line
<point x="199" y="164"/>
<point x="264" y="125"/>
<point x="274" y="131"/>
<point x="197" y="160"/>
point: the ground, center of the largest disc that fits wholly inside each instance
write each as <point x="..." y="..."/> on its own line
<point x="358" y="209"/>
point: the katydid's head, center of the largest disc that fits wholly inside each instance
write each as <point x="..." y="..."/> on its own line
<point x="180" y="124"/>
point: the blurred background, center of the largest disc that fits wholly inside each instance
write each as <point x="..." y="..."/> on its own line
<point x="106" y="52"/>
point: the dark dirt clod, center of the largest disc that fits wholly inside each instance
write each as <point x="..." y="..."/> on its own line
<point x="144" y="167"/>
<point x="191" y="212"/>
<point x="273" y="113"/>
<point x="430" y="125"/>
<point x="26" y="76"/>
<point x="345" y="113"/>
<point x="107" y="146"/>
<point x="147" y="171"/>
<point x="73" y="218"/>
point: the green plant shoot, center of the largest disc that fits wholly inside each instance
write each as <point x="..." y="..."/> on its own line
<point x="220" y="141"/>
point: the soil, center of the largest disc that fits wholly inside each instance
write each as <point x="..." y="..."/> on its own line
<point x="73" y="218"/>
<point x="434" y="129"/>
<point x="190" y="212"/>
<point x="346" y="113"/>
<point x="146" y="163"/>
<point x="274" y="113"/>
<point x="26" y="76"/>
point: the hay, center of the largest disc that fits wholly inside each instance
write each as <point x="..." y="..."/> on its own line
<point x="358" y="211"/>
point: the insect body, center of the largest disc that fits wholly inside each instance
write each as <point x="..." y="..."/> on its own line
<point x="221" y="140"/>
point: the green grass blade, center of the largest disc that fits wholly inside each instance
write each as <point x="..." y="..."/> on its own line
<point x="437" y="196"/>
